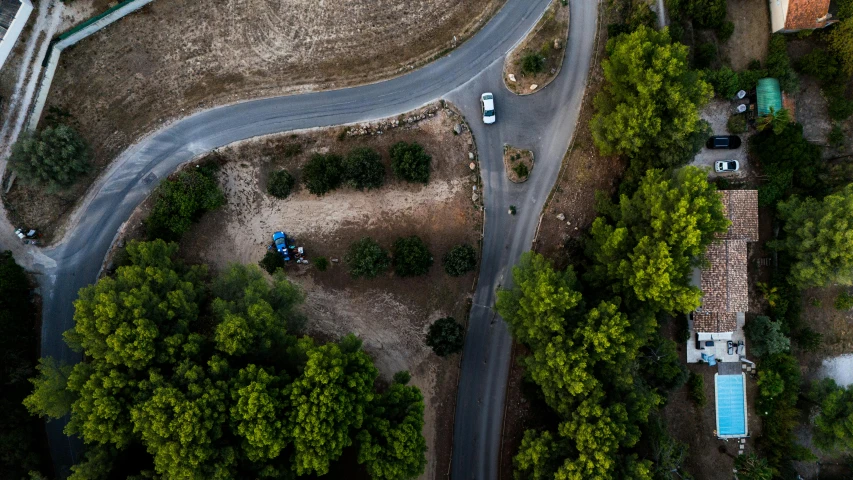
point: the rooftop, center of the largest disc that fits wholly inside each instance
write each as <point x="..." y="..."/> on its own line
<point x="807" y="14"/>
<point x="741" y="208"/>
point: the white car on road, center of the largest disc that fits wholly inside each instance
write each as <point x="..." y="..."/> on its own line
<point x="487" y="104"/>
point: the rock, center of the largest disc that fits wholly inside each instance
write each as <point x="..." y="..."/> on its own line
<point x="534" y="87"/>
<point x="472" y="166"/>
<point x="457" y="129"/>
<point x="470" y="155"/>
<point x="511" y="77"/>
<point x="558" y="44"/>
<point x="474" y="188"/>
<point x="568" y="223"/>
<point x="335" y="260"/>
<point x="475" y="197"/>
<point x="470" y="141"/>
<point x="561" y="217"/>
<point x="553" y="71"/>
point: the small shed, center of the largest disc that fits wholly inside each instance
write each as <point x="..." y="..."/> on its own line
<point x="769" y="95"/>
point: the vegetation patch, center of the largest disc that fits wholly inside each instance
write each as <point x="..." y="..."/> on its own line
<point x="538" y="58"/>
<point x="518" y="164"/>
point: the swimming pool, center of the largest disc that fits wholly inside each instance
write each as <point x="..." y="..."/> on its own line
<point x="731" y="405"/>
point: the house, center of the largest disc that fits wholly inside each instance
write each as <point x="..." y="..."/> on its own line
<point x="794" y="15"/>
<point x="724" y="284"/>
<point x="13" y="17"/>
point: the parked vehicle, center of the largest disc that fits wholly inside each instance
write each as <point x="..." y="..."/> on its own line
<point x="731" y="347"/>
<point x="487" y="106"/>
<point x="723" y="142"/>
<point x="279" y="239"/>
<point x="723" y="166"/>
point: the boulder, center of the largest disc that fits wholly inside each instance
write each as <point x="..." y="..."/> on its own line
<point x="457" y="129"/>
<point x="475" y="197"/>
<point x="561" y="217"/>
<point x="472" y="166"/>
<point x="470" y="155"/>
<point x="511" y="77"/>
<point x="558" y="44"/>
<point x="534" y="87"/>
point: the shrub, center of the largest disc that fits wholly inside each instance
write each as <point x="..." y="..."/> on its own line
<point x="53" y="157"/>
<point x="521" y="170"/>
<point x="446" y="337"/>
<point x="839" y="107"/>
<point x="460" y="260"/>
<point x="180" y="202"/>
<point x="321" y="263"/>
<point x="766" y="336"/>
<point x="779" y="64"/>
<point x="280" y="184"/>
<point x="402" y="377"/>
<point x="411" y="257"/>
<point x="410" y="162"/>
<point x="844" y="301"/>
<point x="696" y="387"/>
<point x="836" y="137"/>
<point x="323" y="173"/>
<point x="725" y="81"/>
<point x="366" y="258"/>
<point x="704" y="55"/>
<point x="362" y="168"/>
<point x="736" y="124"/>
<point x="808" y="339"/>
<point x="291" y="150"/>
<point x="272" y="261"/>
<point x="725" y="32"/>
<point x="532" y="63"/>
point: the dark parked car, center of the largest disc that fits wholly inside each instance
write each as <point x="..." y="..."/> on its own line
<point x="723" y="141"/>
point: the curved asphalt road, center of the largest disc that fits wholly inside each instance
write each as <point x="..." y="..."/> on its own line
<point x="543" y="122"/>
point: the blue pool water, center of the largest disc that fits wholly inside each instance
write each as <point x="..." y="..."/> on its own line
<point x="731" y="417"/>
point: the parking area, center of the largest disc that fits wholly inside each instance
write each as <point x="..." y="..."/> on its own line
<point x="717" y="113"/>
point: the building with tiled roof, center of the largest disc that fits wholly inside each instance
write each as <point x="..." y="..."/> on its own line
<point x="795" y="15"/>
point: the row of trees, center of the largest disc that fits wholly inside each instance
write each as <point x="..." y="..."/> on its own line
<point x="192" y="377"/>
<point x="596" y="353"/>
<point x="409" y="255"/>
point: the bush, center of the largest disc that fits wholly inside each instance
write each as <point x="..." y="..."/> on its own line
<point x="521" y="170"/>
<point x="410" y="162"/>
<point x="321" y="263"/>
<point x="402" y="377"/>
<point x="53" y="157"/>
<point x="844" y="301"/>
<point x="779" y="64"/>
<point x="766" y="336"/>
<point x="725" y="81"/>
<point x="272" y="261"/>
<point x="704" y="55"/>
<point x="791" y="163"/>
<point x="323" y="173"/>
<point x="736" y="124"/>
<point x="460" y="260"/>
<point x="362" y="168"/>
<point x="532" y="63"/>
<point x="411" y="257"/>
<point x="836" y="137"/>
<point x="725" y="32"/>
<point x="808" y="339"/>
<point x="446" y="337"/>
<point x="696" y="386"/>
<point x="280" y="184"/>
<point x="839" y="107"/>
<point x="366" y="258"/>
<point x="291" y="150"/>
<point x="180" y="202"/>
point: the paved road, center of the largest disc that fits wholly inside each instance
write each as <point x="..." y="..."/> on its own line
<point x="544" y="121"/>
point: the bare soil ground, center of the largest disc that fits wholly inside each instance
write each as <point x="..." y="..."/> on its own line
<point x="177" y="56"/>
<point x="514" y="159"/>
<point x="583" y="173"/>
<point x="752" y="33"/>
<point x="390" y="314"/>
<point x="553" y="27"/>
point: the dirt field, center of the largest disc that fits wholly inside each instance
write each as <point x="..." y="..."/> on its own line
<point x="752" y="33"/>
<point x="554" y="26"/>
<point x="583" y="173"/>
<point x="390" y="314"/>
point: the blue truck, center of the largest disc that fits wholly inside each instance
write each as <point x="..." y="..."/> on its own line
<point x="279" y="239"/>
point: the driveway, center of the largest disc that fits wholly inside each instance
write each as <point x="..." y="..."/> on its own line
<point x="717" y="113"/>
<point x="543" y="122"/>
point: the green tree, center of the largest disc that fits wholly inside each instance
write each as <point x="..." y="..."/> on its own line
<point x="752" y="467"/>
<point x="363" y="168"/>
<point x="446" y="336"/>
<point x="649" y="246"/>
<point x="651" y="98"/>
<point x="841" y="43"/>
<point x="272" y="261"/>
<point x="411" y="257"/>
<point x="181" y="201"/>
<point x="791" y="163"/>
<point x="833" y="426"/>
<point x="410" y="162"/>
<point x="323" y="173"/>
<point x="258" y="396"/>
<point x="280" y="184"/>
<point x="696" y="387"/>
<point x="460" y="260"/>
<point x="765" y="336"/>
<point x="725" y="81"/>
<point x="391" y="444"/>
<point x="819" y="238"/>
<point x="53" y="157"/>
<point x="329" y="399"/>
<point x="532" y="63"/>
<point x="661" y="366"/>
<point x="779" y="64"/>
<point x="50" y="397"/>
<point x="366" y="258"/>
<point x="537" y="457"/>
<point x="774" y="121"/>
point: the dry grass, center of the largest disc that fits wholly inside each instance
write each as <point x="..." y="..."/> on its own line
<point x="554" y="25"/>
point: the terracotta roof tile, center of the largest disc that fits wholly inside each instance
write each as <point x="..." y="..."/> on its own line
<point x="805" y="14"/>
<point x="741" y="208"/>
<point x="724" y="282"/>
<point x="714" y="322"/>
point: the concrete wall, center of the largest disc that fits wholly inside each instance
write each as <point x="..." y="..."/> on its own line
<point x="15" y="29"/>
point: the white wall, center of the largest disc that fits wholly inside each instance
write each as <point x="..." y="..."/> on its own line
<point x="15" y="29"/>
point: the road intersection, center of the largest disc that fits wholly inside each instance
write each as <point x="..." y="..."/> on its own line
<point x="543" y="122"/>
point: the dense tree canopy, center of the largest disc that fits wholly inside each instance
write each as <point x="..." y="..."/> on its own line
<point x="411" y="257"/>
<point x="446" y="336"/>
<point x="460" y="260"/>
<point x="207" y="377"/>
<point x="53" y="157"/>
<point x="791" y="163"/>
<point x="650" y="103"/>
<point x="280" y="184"/>
<point x="819" y="237"/>
<point x="833" y="426"/>
<point x="366" y="258"/>
<point x="765" y="336"/>
<point x="323" y="173"/>
<point x="410" y="162"/>
<point x="363" y="168"/>
<point x="181" y="201"/>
